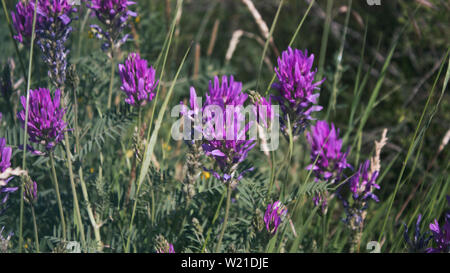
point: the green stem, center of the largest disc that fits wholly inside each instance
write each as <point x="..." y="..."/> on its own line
<point x="24" y="160"/>
<point x="94" y="224"/>
<point x="111" y="81"/>
<point x="58" y="196"/>
<point x="225" y="220"/>
<point x="36" y="236"/>
<point x="74" y="190"/>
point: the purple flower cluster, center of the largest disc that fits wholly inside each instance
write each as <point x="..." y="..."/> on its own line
<point x="296" y="89"/>
<point x="138" y="80"/>
<point x="113" y="14"/>
<point x="53" y="18"/>
<point x="45" y="120"/>
<point x="227" y="145"/>
<point x="326" y="147"/>
<point x="5" y="163"/>
<point x="274" y="215"/>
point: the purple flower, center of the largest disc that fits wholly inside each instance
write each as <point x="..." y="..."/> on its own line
<point x="362" y="183"/>
<point x="5" y="163"/>
<point x="227" y="144"/>
<point x="274" y="215"/>
<point x="138" y="80"/>
<point x="23" y="20"/>
<point x="45" y="120"/>
<point x="326" y="147"/>
<point x="441" y="237"/>
<point x="113" y="14"/>
<point x="296" y="89"/>
<point x="419" y="241"/>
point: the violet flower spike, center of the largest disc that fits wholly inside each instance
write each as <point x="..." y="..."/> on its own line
<point x="296" y="90"/>
<point x="274" y="215"/>
<point x="45" y="121"/>
<point x="138" y="80"/>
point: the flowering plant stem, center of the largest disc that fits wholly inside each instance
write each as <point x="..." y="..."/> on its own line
<point x="58" y="196"/>
<point x="225" y="220"/>
<point x="24" y="162"/>
<point x="74" y="190"/>
<point x="111" y="81"/>
<point x="36" y="236"/>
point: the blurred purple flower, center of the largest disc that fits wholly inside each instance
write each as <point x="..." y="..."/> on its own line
<point x="22" y="20"/>
<point x="295" y="88"/>
<point x="170" y="250"/>
<point x="326" y="147"/>
<point x="420" y="240"/>
<point x="113" y="14"/>
<point x="274" y="215"/>
<point x="441" y="237"/>
<point x="138" y="80"/>
<point x="30" y="192"/>
<point x="5" y="163"/>
<point x="227" y="150"/>
<point x="45" y="121"/>
<point x="264" y="111"/>
<point x="53" y="18"/>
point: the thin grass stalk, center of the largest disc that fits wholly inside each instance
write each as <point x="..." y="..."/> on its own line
<point x="339" y="68"/>
<point x="25" y="135"/>
<point x="266" y="45"/>
<point x="36" y="236"/>
<point x="58" y="196"/>
<point x="324" y="42"/>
